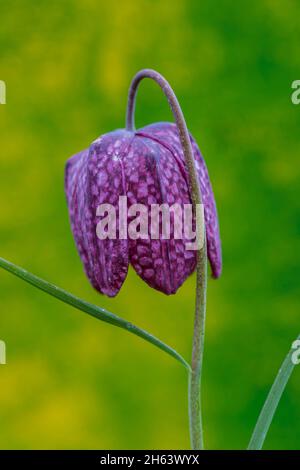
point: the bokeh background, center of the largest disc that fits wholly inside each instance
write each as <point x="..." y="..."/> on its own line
<point x="71" y="381"/>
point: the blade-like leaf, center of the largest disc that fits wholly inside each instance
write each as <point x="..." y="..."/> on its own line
<point x="89" y="308"/>
<point x="271" y="403"/>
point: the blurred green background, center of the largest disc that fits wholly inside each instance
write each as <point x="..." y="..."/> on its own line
<point x="73" y="382"/>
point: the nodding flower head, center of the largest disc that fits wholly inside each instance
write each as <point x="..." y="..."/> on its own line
<point x="148" y="167"/>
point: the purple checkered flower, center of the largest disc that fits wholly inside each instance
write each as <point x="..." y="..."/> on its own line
<point x="148" y="167"/>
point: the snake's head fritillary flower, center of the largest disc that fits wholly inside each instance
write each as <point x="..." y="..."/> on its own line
<point x="148" y="167"/>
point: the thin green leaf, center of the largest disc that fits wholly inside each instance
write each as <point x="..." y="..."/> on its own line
<point x="267" y="413"/>
<point x="89" y="308"/>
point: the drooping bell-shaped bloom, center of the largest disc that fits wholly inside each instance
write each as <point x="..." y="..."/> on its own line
<point x="148" y="167"/>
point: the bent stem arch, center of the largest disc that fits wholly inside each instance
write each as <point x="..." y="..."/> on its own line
<point x="195" y="413"/>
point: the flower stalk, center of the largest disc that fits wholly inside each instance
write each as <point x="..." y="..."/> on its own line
<point x="195" y="411"/>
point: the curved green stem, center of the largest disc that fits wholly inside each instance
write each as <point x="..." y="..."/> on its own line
<point x="270" y="406"/>
<point x="93" y="310"/>
<point x="195" y="415"/>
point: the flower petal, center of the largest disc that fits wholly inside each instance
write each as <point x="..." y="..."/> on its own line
<point x="167" y="134"/>
<point x="95" y="177"/>
<point x="154" y="177"/>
